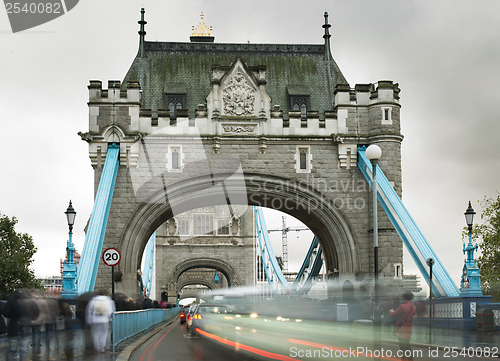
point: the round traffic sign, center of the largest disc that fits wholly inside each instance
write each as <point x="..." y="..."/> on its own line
<point x="111" y="257"/>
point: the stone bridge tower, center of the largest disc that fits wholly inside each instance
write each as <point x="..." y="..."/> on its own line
<point x="202" y="124"/>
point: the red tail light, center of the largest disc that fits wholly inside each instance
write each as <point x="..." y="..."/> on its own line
<point x="182" y="315"/>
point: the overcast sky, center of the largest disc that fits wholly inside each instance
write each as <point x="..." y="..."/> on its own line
<point x="444" y="54"/>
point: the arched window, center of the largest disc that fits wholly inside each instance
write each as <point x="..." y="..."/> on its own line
<point x="175" y="102"/>
<point x="300" y="103"/>
<point x="175" y="158"/>
<point x="303" y="158"/>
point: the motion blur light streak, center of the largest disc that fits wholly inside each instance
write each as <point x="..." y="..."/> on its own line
<point x="240" y="346"/>
<point x="151" y="349"/>
<point x="340" y="349"/>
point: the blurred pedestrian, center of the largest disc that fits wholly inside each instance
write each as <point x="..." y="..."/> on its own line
<point x="147" y="303"/>
<point x="404" y="324"/>
<point x="50" y="324"/>
<point x="99" y="316"/>
<point x="20" y="310"/>
<point x="3" y="324"/>
<point x="36" y="327"/>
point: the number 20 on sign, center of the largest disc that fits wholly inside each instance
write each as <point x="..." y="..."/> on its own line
<point x="111" y="257"/>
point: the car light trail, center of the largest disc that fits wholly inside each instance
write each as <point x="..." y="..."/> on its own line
<point x="378" y="354"/>
<point x="237" y="345"/>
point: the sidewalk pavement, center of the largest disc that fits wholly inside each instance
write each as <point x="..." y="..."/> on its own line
<point x="450" y="338"/>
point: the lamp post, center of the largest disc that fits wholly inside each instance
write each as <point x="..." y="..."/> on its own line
<point x="69" y="268"/>
<point x="373" y="153"/>
<point x="471" y="279"/>
<point x="430" y="263"/>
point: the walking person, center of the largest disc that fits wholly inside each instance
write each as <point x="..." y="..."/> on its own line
<point x="36" y="327"/>
<point x="98" y="316"/>
<point x="20" y="310"/>
<point x="404" y="324"/>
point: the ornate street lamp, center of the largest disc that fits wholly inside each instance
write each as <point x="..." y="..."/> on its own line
<point x="471" y="279"/>
<point x="469" y="217"/>
<point x="69" y="268"/>
<point x="373" y="153"/>
<point x="70" y="216"/>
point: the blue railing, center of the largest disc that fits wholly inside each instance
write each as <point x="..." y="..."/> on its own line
<point x="127" y="325"/>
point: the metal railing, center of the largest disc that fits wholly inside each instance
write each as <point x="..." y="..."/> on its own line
<point x="127" y="325"/>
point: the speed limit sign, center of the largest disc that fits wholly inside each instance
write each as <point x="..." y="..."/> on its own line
<point x="111" y="257"/>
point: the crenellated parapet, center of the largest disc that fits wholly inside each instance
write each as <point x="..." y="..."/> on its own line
<point x="238" y="107"/>
<point x="113" y="118"/>
<point x="116" y="105"/>
<point x="369" y="108"/>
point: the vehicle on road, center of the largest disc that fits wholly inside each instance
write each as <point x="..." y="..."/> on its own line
<point x="190" y="314"/>
<point x="207" y="314"/>
<point x="183" y="313"/>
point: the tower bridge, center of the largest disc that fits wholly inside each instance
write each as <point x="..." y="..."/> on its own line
<point x="209" y="130"/>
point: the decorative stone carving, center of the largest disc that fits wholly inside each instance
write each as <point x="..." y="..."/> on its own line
<point x="239" y="128"/>
<point x="238" y="96"/>
<point x="347" y="156"/>
<point x="235" y="226"/>
<point x="238" y="93"/>
<point x="263" y="145"/>
<point x="216" y="145"/>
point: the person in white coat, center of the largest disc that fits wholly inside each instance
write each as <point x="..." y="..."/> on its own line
<point x="99" y="316"/>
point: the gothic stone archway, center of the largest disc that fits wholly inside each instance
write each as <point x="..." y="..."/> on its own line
<point x="327" y="222"/>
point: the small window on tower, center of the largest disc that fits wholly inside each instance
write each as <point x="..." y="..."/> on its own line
<point x="387" y="115"/>
<point x="222" y="228"/>
<point x="398" y="270"/>
<point x="174" y="102"/>
<point x="303" y="160"/>
<point x="174" y="158"/>
<point x="183" y="227"/>
<point x="300" y="103"/>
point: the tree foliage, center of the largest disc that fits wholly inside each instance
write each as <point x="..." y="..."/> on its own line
<point x="488" y="234"/>
<point x="16" y="256"/>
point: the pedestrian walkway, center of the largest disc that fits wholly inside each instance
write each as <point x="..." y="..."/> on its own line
<point x="448" y="338"/>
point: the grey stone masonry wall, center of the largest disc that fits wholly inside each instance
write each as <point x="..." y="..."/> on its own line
<point x="167" y="168"/>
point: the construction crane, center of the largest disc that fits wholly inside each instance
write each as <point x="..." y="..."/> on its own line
<point x="284" y="239"/>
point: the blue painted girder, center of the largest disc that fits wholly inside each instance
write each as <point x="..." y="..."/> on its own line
<point x="273" y="271"/>
<point x="310" y="268"/>
<point x="413" y="239"/>
<point x="92" y="248"/>
<point x="147" y="271"/>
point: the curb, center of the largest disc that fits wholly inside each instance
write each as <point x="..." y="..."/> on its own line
<point x="130" y="349"/>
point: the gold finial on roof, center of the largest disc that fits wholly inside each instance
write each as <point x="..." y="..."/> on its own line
<point x="202" y="29"/>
